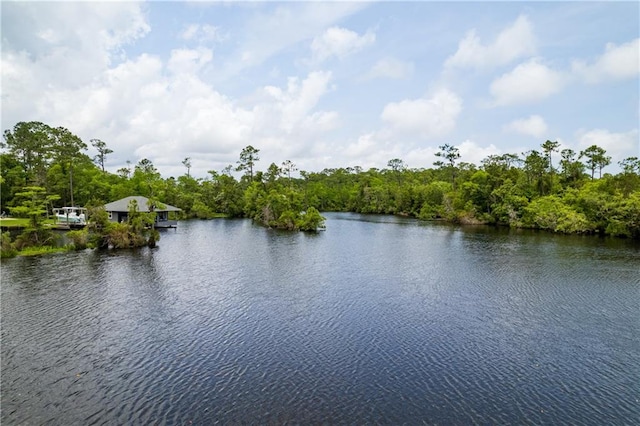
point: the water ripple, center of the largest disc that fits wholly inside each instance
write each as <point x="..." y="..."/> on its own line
<point x="366" y="323"/>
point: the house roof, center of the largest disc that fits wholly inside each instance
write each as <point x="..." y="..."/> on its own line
<point x="123" y="205"/>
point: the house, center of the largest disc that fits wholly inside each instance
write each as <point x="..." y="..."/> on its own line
<point x="119" y="211"/>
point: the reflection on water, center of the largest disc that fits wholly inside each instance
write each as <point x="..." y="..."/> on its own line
<point x="379" y="319"/>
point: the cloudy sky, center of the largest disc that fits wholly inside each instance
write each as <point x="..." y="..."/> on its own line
<point x="328" y="84"/>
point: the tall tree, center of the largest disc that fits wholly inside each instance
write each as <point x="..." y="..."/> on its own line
<point x="273" y="173"/>
<point x="397" y="166"/>
<point x="548" y="147"/>
<point x="630" y="176"/>
<point x="103" y="151"/>
<point x="67" y="148"/>
<point x="596" y="159"/>
<point x="187" y="163"/>
<point x="124" y="172"/>
<point x="30" y="142"/>
<point x="535" y="165"/>
<point x="289" y="167"/>
<point x="248" y="158"/>
<point x="572" y="169"/>
<point x="145" y="178"/>
<point x="146" y="166"/>
<point x="451" y="154"/>
<point x="630" y="165"/>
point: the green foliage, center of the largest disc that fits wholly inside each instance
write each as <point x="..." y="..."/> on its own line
<point x="432" y="197"/>
<point x="201" y="210"/>
<point x="118" y="235"/>
<point x="7" y="248"/>
<point x="103" y="151"/>
<point x="451" y="154"/>
<point x="552" y="214"/>
<point x="596" y="159"/>
<point x="79" y="238"/>
<point x="140" y="227"/>
<point x="248" y="158"/>
<point x="43" y="167"/>
<point x="33" y="201"/>
<point x="40" y="250"/>
<point x="508" y="203"/>
<point x="311" y="220"/>
<point x="34" y="237"/>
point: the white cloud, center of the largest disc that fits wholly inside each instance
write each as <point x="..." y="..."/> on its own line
<point x="190" y="32"/>
<point x="534" y="126"/>
<point x="202" y="33"/>
<point x="420" y="157"/>
<point x="391" y="68"/>
<point x="471" y="152"/>
<point x="364" y="146"/>
<point x="424" y="117"/>
<point x="529" y="82"/>
<point x="145" y="106"/>
<point x="515" y="41"/>
<point x="617" y="62"/>
<point x="266" y="34"/>
<point x="339" y="42"/>
<point x="189" y="61"/>
<point x="67" y="43"/>
<point x="295" y="103"/>
<point x="83" y="65"/>
<point x="617" y="145"/>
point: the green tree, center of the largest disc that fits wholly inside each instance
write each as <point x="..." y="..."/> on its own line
<point x="630" y="165"/>
<point x="7" y="248"/>
<point x="288" y="167"/>
<point x="451" y="154"/>
<point x="146" y="179"/>
<point x="534" y="167"/>
<point x="103" y="151"/>
<point x="551" y="213"/>
<point x="30" y="143"/>
<point x="187" y="163"/>
<point x="273" y="173"/>
<point x="311" y="220"/>
<point x="629" y="179"/>
<point x="98" y="224"/>
<point x="33" y="204"/>
<point x="248" y="158"/>
<point x="596" y="159"/>
<point x="67" y="149"/>
<point x="12" y="178"/>
<point x="549" y="147"/>
<point x="572" y="169"/>
<point x="397" y="166"/>
<point x="125" y="172"/>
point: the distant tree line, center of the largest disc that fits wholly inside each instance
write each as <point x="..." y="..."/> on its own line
<point x="549" y="188"/>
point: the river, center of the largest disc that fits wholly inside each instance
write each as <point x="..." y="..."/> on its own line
<point x="377" y="320"/>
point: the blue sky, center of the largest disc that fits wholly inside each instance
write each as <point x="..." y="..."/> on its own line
<point x="326" y="84"/>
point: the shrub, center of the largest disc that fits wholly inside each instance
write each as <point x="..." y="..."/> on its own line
<point x="552" y="214"/>
<point x="311" y="220"/>
<point x="80" y="238"/>
<point x="7" y="249"/>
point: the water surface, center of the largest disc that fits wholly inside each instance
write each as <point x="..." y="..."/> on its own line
<point x="378" y="320"/>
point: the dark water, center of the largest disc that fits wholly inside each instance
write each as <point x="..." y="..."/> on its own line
<point x="378" y="320"/>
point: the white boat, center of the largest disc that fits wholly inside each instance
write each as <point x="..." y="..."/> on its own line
<point x="70" y="216"/>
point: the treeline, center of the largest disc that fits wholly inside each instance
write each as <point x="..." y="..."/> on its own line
<point x="549" y="188"/>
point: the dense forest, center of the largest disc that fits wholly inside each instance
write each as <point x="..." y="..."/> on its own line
<point x="548" y="188"/>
